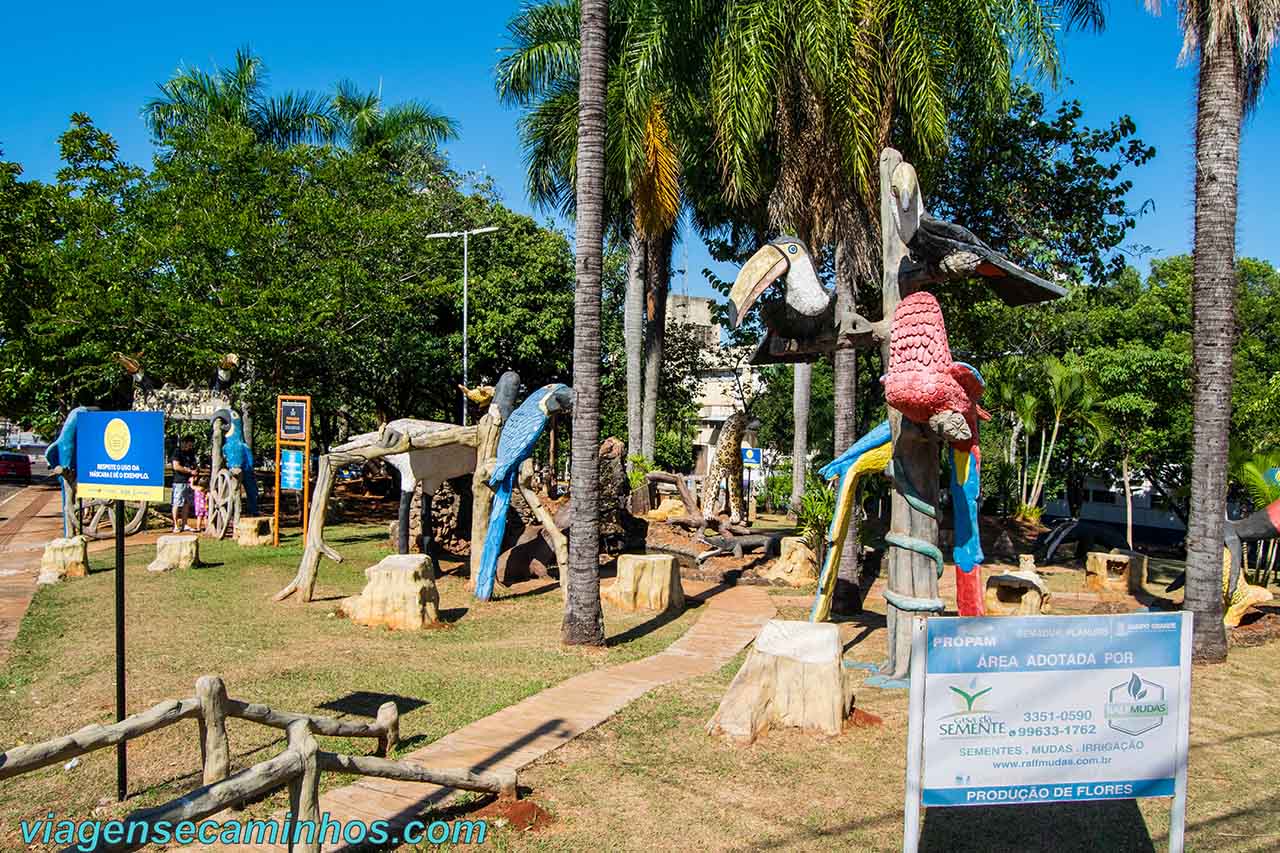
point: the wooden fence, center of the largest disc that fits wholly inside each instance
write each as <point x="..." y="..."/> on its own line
<point x="299" y="766"/>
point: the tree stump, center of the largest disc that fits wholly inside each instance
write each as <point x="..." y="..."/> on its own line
<point x="1138" y="564"/>
<point x="400" y="594"/>
<point x="1019" y="593"/>
<point x="793" y="676"/>
<point x="1105" y="572"/>
<point x="797" y="565"/>
<point x="645" y="582"/>
<point x="176" y="551"/>
<point x="255" y="530"/>
<point x="64" y="558"/>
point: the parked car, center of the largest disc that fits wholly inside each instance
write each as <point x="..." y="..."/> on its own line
<point x="15" y="466"/>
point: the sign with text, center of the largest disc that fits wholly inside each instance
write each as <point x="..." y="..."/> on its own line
<point x="291" y="471"/>
<point x="120" y="455"/>
<point x="294" y="420"/>
<point x="1054" y="708"/>
<point x="751" y="457"/>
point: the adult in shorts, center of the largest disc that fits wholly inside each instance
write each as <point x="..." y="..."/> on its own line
<point x="184" y="470"/>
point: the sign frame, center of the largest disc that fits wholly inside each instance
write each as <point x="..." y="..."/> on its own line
<point x="914" y="787"/>
<point x="295" y="438"/>
<point x="131" y="441"/>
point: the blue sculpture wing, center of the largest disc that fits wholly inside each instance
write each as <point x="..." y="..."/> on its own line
<point x="520" y="433"/>
<point x="878" y="436"/>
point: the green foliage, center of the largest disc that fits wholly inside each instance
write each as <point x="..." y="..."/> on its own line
<point x="639" y="468"/>
<point x="776" y="491"/>
<point x="817" y="506"/>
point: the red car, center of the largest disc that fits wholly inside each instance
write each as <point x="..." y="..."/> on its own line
<point x="15" y="466"/>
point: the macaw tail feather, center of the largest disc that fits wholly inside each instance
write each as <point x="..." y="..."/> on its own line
<point x="493" y="537"/>
<point x="965" y="488"/>
<point x="870" y="453"/>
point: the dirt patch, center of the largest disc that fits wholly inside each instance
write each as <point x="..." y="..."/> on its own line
<point x="520" y="815"/>
<point x="1258" y="628"/>
<point x="861" y="719"/>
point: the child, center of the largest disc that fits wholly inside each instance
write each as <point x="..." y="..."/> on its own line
<point x="201" y="503"/>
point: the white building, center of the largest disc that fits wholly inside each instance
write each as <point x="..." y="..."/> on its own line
<point x="1104" y="502"/>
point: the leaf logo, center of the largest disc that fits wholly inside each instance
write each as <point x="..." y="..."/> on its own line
<point x="1136" y="690"/>
<point x="970" y="698"/>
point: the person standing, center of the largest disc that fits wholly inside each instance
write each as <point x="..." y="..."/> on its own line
<point x="184" y="469"/>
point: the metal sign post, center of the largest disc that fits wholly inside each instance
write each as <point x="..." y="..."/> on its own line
<point x="293" y="440"/>
<point x="120" y="456"/>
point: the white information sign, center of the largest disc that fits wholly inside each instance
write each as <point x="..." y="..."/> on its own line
<point x="1049" y="709"/>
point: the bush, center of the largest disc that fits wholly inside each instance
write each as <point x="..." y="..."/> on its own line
<point x="817" y="506"/>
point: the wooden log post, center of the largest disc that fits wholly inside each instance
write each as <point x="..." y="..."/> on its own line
<point x="550" y="529"/>
<point x="388" y="720"/>
<point x="500" y="782"/>
<point x="215" y="752"/>
<point x="304" y="792"/>
<point x="488" y="430"/>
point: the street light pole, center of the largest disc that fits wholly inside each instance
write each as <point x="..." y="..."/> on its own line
<point x="466" y="259"/>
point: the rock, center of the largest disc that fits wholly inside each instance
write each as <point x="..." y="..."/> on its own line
<point x="255" y="530"/>
<point x="645" y="582"/>
<point x="1105" y="572"/>
<point x="1003" y="546"/>
<point x="64" y="558"/>
<point x="1020" y="593"/>
<point x="797" y="565"/>
<point x="176" y="551"/>
<point x="793" y="676"/>
<point x="530" y="556"/>
<point x="1138" y="566"/>
<point x="669" y="506"/>
<point x="400" y="594"/>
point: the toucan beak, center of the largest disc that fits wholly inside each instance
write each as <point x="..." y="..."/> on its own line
<point x="764" y="268"/>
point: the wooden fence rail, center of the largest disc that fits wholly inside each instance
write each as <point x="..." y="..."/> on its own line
<point x="299" y="766"/>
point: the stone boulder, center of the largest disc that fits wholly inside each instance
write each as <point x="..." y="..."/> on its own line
<point x="1020" y="593"/>
<point x="176" y="551"/>
<point x="796" y="566"/>
<point x="64" y="558"/>
<point x="645" y="582"/>
<point x="400" y="594"/>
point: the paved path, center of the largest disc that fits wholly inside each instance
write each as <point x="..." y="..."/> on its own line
<point x="522" y="733"/>
<point x="30" y="518"/>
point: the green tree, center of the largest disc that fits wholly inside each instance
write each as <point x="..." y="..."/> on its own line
<point x="403" y="134"/>
<point x="1232" y="41"/>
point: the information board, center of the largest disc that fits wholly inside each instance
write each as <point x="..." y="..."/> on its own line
<point x="1040" y="709"/>
<point x="120" y="455"/>
<point x="291" y="470"/>
<point x="294" y="423"/>
<point x="751" y="457"/>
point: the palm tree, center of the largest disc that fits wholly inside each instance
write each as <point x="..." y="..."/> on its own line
<point x="583" y="617"/>
<point x="643" y="159"/>
<point x="1232" y="40"/>
<point x="1068" y="398"/>
<point x="400" y="133"/>
<point x="830" y="83"/>
<point x="196" y="102"/>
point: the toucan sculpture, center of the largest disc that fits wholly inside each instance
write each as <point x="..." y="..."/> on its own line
<point x="520" y="433"/>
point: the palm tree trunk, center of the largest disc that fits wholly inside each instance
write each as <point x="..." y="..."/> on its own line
<point x="583" y="617"/>
<point x="633" y="332"/>
<point x="1219" y="108"/>
<point x="848" y="597"/>
<point x="1042" y="467"/>
<point x="1128" y="501"/>
<point x="801" y="381"/>
<point x="658" y="280"/>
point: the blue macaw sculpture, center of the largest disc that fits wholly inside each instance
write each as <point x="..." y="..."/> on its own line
<point x="520" y="433"/>
<point x="236" y="454"/>
<point x="61" y="456"/>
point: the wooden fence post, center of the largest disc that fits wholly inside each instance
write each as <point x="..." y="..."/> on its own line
<point x="215" y="753"/>
<point x="304" y="792"/>
<point x="389" y="721"/>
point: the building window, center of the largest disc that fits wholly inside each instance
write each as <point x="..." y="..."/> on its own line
<point x="1102" y="496"/>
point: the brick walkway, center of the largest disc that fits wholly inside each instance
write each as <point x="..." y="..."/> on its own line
<point x="522" y="733"/>
<point x="32" y="517"/>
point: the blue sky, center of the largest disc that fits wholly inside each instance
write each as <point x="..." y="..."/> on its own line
<point x="107" y="60"/>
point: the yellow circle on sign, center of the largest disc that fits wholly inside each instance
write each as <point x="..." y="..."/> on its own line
<point x="116" y="438"/>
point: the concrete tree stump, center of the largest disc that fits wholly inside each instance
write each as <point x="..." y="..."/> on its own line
<point x="400" y="594"/>
<point x="176" y="551"/>
<point x="794" y="677"/>
<point x="1026" y="562"/>
<point x="64" y="558"/>
<point x="255" y="530"/>
<point x="796" y="565"/>
<point x="1019" y="593"/>
<point x="1105" y="572"/>
<point x="1138" y="566"/>
<point x="645" y="582"/>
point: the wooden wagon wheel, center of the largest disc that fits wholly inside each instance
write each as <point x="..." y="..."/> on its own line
<point x="98" y="519"/>
<point x="224" y="503"/>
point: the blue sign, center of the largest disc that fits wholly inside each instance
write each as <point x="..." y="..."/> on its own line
<point x="751" y="457"/>
<point x="120" y="455"/>
<point x="291" y="472"/>
<point x="1054" y="708"/>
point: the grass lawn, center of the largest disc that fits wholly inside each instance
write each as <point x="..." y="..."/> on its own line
<point x="220" y="620"/>
<point x="648" y="779"/>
